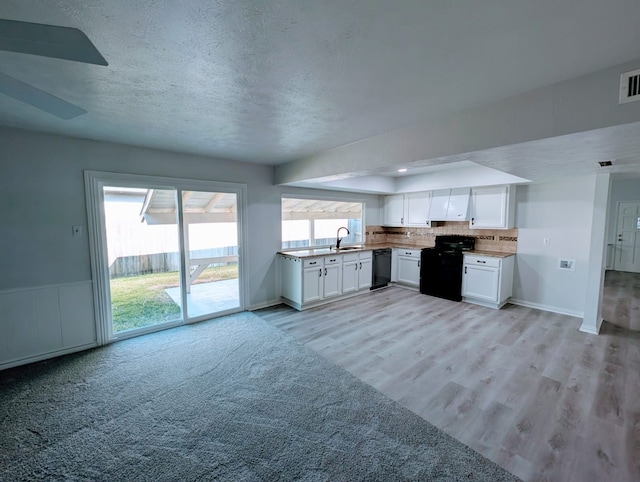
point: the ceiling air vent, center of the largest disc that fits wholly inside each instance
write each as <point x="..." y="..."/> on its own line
<point x="630" y="86"/>
<point x="605" y="163"/>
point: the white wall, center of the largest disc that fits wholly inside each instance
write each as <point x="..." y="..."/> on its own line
<point x="563" y="213"/>
<point x="42" y="196"/>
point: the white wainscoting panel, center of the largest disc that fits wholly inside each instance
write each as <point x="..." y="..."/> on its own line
<point x="43" y="322"/>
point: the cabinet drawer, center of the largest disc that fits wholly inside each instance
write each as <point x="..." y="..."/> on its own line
<point x="366" y="254"/>
<point x="350" y="257"/>
<point x="332" y="259"/>
<point x="311" y="262"/>
<point x="412" y="253"/>
<point x="482" y="261"/>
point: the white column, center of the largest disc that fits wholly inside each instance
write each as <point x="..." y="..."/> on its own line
<point x="597" y="257"/>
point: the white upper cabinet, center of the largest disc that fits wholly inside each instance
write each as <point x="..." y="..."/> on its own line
<point x="492" y="207"/>
<point x="394" y="210"/>
<point x="450" y="205"/>
<point x="410" y="209"/>
<point x="417" y="208"/>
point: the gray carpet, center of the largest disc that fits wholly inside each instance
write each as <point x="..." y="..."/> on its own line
<point x="229" y="399"/>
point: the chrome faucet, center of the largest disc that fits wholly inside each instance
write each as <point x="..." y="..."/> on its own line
<point x="338" y="238"/>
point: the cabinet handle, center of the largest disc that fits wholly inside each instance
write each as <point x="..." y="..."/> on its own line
<point x="465" y="270"/>
<point x="356" y="266"/>
<point x="401" y="220"/>
<point x="315" y="262"/>
<point x="418" y="264"/>
<point x="331" y="260"/>
<point x="360" y="264"/>
<point x="473" y="221"/>
<point x="480" y="261"/>
<point x="320" y="274"/>
<point x="325" y="271"/>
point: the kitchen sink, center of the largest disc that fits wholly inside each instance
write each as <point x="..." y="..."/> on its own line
<point x="348" y="248"/>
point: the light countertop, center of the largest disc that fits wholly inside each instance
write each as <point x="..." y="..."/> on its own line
<point x="315" y="252"/>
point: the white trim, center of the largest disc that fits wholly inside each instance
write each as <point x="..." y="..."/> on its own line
<point x="94" y="181"/>
<point x="589" y="329"/>
<point x="266" y="304"/>
<point x="44" y="287"/>
<point x="46" y="356"/>
<point x="124" y="335"/>
<point x="552" y="309"/>
<point x="615" y="238"/>
<point x="327" y="198"/>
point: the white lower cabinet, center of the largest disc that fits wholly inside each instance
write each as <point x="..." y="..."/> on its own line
<point x="306" y="282"/>
<point x="312" y="281"/>
<point x="408" y="266"/>
<point x="487" y="280"/>
<point x="365" y="270"/>
<point x="332" y="276"/>
<point x="356" y="272"/>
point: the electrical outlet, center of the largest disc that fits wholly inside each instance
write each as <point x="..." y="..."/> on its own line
<point x="77" y="230"/>
<point x="546" y="241"/>
<point x="567" y="264"/>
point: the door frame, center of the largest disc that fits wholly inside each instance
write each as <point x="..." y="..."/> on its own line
<point x="619" y="204"/>
<point x="94" y="182"/>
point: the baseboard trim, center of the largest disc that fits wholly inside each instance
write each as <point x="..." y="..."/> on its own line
<point x="46" y="356"/>
<point x="552" y="309"/>
<point x="266" y="304"/>
<point x="589" y="329"/>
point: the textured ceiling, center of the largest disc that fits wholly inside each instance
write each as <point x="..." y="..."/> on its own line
<point x="277" y="80"/>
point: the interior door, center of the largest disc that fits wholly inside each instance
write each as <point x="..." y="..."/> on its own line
<point x="627" y="247"/>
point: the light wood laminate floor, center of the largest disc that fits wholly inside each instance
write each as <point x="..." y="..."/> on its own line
<point x="621" y="299"/>
<point x="521" y="386"/>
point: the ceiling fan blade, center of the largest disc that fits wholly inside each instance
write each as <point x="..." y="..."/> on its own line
<point x="38" y="98"/>
<point x="48" y="41"/>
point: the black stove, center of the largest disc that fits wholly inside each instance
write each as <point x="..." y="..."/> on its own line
<point x="441" y="266"/>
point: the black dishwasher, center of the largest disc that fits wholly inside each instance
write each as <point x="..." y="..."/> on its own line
<point x="381" y="268"/>
<point x="441" y="267"/>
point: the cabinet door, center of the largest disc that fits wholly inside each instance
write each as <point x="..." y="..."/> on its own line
<point x="394" y="210"/>
<point x="458" y="209"/>
<point x="439" y="205"/>
<point x="409" y="270"/>
<point x="311" y="284"/>
<point x="365" y="271"/>
<point x="480" y="282"/>
<point x="418" y="208"/>
<point x="349" y="276"/>
<point x="489" y="207"/>
<point x="332" y="280"/>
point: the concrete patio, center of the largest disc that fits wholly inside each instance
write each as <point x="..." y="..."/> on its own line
<point x="209" y="298"/>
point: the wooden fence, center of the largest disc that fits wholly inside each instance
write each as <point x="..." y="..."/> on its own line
<point x="161" y="262"/>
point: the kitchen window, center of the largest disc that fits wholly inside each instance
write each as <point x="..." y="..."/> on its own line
<point x="314" y="222"/>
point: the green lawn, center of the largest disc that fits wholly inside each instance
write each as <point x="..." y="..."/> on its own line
<point x="138" y="301"/>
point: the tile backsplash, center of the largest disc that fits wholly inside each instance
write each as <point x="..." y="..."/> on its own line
<point x="500" y="240"/>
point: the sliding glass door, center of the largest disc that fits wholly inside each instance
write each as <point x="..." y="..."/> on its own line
<point x="211" y="252"/>
<point x="143" y="258"/>
<point x="164" y="253"/>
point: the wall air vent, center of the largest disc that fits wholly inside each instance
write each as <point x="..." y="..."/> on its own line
<point x="605" y="163"/>
<point x="630" y="86"/>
